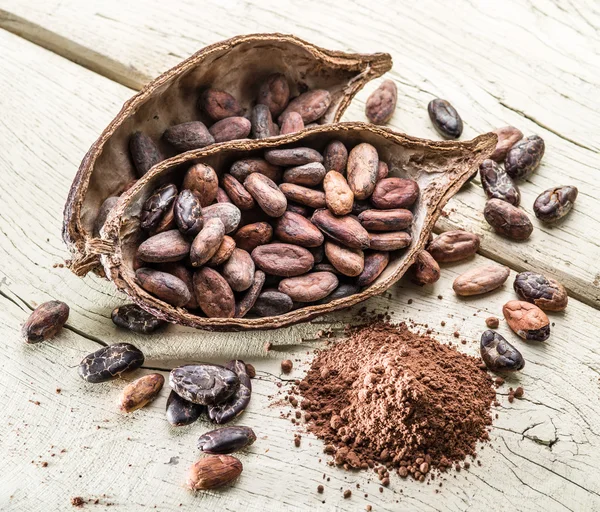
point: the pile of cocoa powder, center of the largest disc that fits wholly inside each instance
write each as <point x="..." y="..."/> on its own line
<point x="388" y="398"/>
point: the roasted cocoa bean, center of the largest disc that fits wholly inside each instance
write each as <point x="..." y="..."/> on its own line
<point x="140" y="392"/>
<point x="213" y="472"/>
<point x="272" y="303"/>
<point x="164" y="247"/>
<point x="454" y="246"/>
<point x="381" y="104"/>
<point x="553" y="204"/>
<point x="249" y="299"/>
<point x="238" y="270"/>
<point x="391" y="193"/>
<point x="262" y="123"/>
<point x="498" y="184"/>
<point x="165" y="286"/>
<point x="311" y="105"/>
<point x="241" y="169"/>
<point x="426" y="269"/>
<point x="188" y="136"/>
<point x="526" y="320"/>
<point x="335" y="157"/>
<point x="230" y="128"/>
<point x="202" y="179"/>
<point x="144" y="153"/>
<point x="508" y="136"/>
<point x="545" y="292"/>
<point x="207" y="242"/>
<point x="396" y="219"/>
<point x="181" y="412"/>
<point x="135" y="319"/>
<point x="205" y="384"/>
<point x="291" y="122"/>
<point x="108" y="204"/>
<point x="274" y="92"/>
<point x="342" y="291"/>
<point x="498" y="354"/>
<point x="45" y="321"/>
<point x="156" y="205"/>
<point x="390" y="241"/>
<point x="345" y="230"/>
<point x="185" y="274"/>
<point x="507" y="219"/>
<point x="222" y="196"/>
<point x="250" y="236"/>
<point x="166" y="223"/>
<point x="236" y="404"/>
<point x="347" y="261"/>
<point x="188" y="213"/>
<point x="309" y="175"/>
<point x="213" y="293"/>
<point x="363" y="163"/>
<point x="223" y="253"/>
<point x="219" y="104"/>
<point x="295" y="229"/>
<point x="338" y="195"/>
<point x="266" y="193"/>
<point x="299" y="209"/>
<point x="236" y="192"/>
<point x="110" y="362"/>
<point x="524" y="157"/>
<point x="375" y="264"/>
<point x="293" y="156"/>
<point x="480" y="280"/>
<point x="303" y="195"/>
<point x="226" y="440"/>
<point x="283" y="260"/>
<point x="445" y="118"/>
<point x="309" y="287"/>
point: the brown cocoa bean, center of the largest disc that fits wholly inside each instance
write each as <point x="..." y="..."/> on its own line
<point x="185" y="274"/>
<point x="223" y="253"/>
<point x="108" y="204"/>
<point x="241" y="169"/>
<point x="498" y="184"/>
<point x="327" y="267"/>
<point x="480" y="280"/>
<point x="347" y="261"/>
<point x="188" y="213"/>
<point x="363" y="163"/>
<point x="360" y="206"/>
<point x="213" y="293"/>
<point x="498" y="354"/>
<point x="545" y="292"/>
<point x="274" y="92"/>
<point x="426" y="269"/>
<point x="219" y="104"/>
<point x="392" y="193"/>
<point x="272" y="303"/>
<point x="230" y="128"/>
<point x="207" y="242"/>
<point x="188" y="136"/>
<point x="524" y="157"/>
<point x="222" y="196"/>
<point x="381" y="104"/>
<point x="338" y="195"/>
<point x="526" y="320"/>
<point x="249" y="299"/>
<point x="144" y="153"/>
<point x="236" y="192"/>
<point x="445" y="118"/>
<point x="508" y="136"/>
<point x="311" y="105"/>
<point x="293" y="156"/>
<point x="375" y="264"/>
<point x="382" y="171"/>
<point x="390" y="241"/>
<point x="156" y="205"/>
<point x="295" y="229"/>
<point x="507" y="219"/>
<point x="45" y="321"/>
<point x="213" y="471"/>
<point x="229" y="214"/>
<point x="309" y="287"/>
<point x="553" y="204"/>
<point x="454" y="246"/>
<point x="283" y="260"/>
<point x="345" y="230"/>
<point x="267" y="194"/>
<point x="386" y="220"/>
<point x="303" y="195"/>
<point x="308" y="175"/>
<point x="202" y="179"/>
<point x="165" y="286"/>
<point x="166" y="223"/>
<point x="335" y="157"/>
<point x="291" y="122"/>
<point x="262" y="123"/>
<point x="140" y="392"/>
<point x="238" y="270"/>
<point x="250" y="236"/>
<point x="299" y="209"/>
<point x="164" y="247"/>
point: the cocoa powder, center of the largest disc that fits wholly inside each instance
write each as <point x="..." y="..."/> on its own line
<point x="389" y="397"/>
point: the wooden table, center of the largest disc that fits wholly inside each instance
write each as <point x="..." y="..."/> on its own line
<point x="68" y="65"/>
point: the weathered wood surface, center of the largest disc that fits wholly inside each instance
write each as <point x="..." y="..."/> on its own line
<point x="533" y="64"/>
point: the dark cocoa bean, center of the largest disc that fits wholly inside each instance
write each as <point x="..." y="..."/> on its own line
<point x="454" y="246"/>
<point x="360" y="206"/>
<point x="498" y="184"/>
<point x="335" y="157"/>
<point x="238" y="270"/>
<point x="480" y="280"/>
<point x="213" y="293"/>
<point x="156" y="205"/>
<point x="274" y="92"/>
<point x="392" y="193"/>
<point x="185" y="274"/>
<point x="309" y="175"/>
<point x="553" y="204"/>
<point x="338" y="195"/>
<point x="188" y="213"/>
<point x="229" y="214"/>
<point x="381" y="104"/>
<point x="445" y="118"/>
<point x="237" y="193"/>
<point x="299" y="209"/>
<point x="272" y="303"/>
<point x="230" y="128"/>
<point x="140" y="392"/>
<point x="135" y="319"/>
<point x="219" y="104"/>
<point x="241" y="169"/>
<point x="327" y="267"/>
<point x="396" y="219"/>
<point x="45" y="321"/>
<point x="545" y="292"/>
<point x="188" y="136"/>
<point x="390" y="241"/>
<point x="346" y="230"/>
<point x="144" y="153"/>
<point x="207" y="242"/>
<point x="165" y="286"/>
<point x="108" y="204"/>
<point x="508" y="136"/>
<point x="262" y="123"/>
<point x="181" y="412"/>
<point x="291" y="122"/>
<point x="375" y="264"/>
<point x="166" y="223"/>
<point x="250" y="236"/>
<point x="311" y="105"/>
<point x="507" y="219"/>
<point x="347" y="261"/>
<point x="283" y="260"/>
<point x="249" y="299"/>
<point x="524" y="157"/>
<point x="236" y="404"/>
<point x="223" y="253"/>
<point x="526" y="320"/>
<point x="342" y="291"/>
<point x="266" y="193"/>
<point x="293" y="156"/>
<point x="309" y="287"/>
<point x="204" y="384"/>
<point x="213" y="472"/>
<point x="110" y="362"/>
<point x="226" y="440"/>
<point x="303" y="195"/>
<point x="498" y="354"/>
<point x="318" y="253"/>
<point x="363" y="163"/>
<point x="296" y="229"/>
<point x="202" y="179"/>
<point x="426" y="269"/>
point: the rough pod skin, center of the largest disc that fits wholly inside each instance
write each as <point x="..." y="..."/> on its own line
<point x="454" y="245"/>
<point x="498" y="354"/>
<point x="480" y="280"/>
<point x="45" y="322"/>
<point x="445" y="118"/>
<point x="212" y="472"/>
<point x="524" y="157"/>
<point x="381" y="103"/>
<point x="545" y="292"/>
<point x="527" y="320"/>
<point x="498" y="184"/>
<point x="140" y="392"/>
<point x="507" y="219"/>
<point x="556" y="202"/>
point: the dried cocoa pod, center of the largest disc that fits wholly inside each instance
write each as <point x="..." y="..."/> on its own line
<point x="156" y="205"/>
<point x="207" y="242"/>
<point x="213" y="472"/>
<point x="545" y="292"/>
<point x="213" y="293"/>
<point x="274" y="92"/>
<point x="390" y="241"/>
<point x="291" y="122"/>
<point x="342" y="291"/>
<point x="427" y="270"/>
<point x="226" y="440"/>
<point x="445" y="118"/>
<point x="311" y="105"/>
<point x="524" y="157"/>
<point x="381" y="104"/>
<point x="219" y="104"/>
<point x="347" y="261"/>
<point x="110" y="362"/>
<point x="140" y="392"/>
<point x="188" y="213"/>
<point x="266" y="193"/>
<point x="363" y="162"/>
<point x="222" y="196"/>
<point x="498" y="354"/>
<point x="262" y="123"/>
<point x="202" y="179"/>
<point x="45" y="321"/>
<point x="396" y="219"/>
<point x="508" y="136"/>
<point x="293" y="156"/>
<point x="236" y="192"/>
<point x="230" y="128"/>
<point x="223" y="253"/>
<point x="144" y="153"/>
<point x="507" y="219"/>
<point x="309" y="287"/>
<point x="135" y="319"/>
<point x="238" y="270"/>
<point x="303" y="195"/>
<point x="272" y="303"/>
<point x="164" y="247"/>
<point x="108" y="204"/>
<point x="185" y="274"/>
<point x="498" y="184"/>
<point x="228" y="213"/>
<point x="241" y="169"/>
<point x="338" y="195"/>
<point x="247" y="302"/>
<point x="181" y="412"/>
<point x="165" y="286"/>
<point x="391" y="193"/>
<point x="454" y="245"/>
<point x="283" y="260"/>
<point x="308" y="175"/>
<point x="188" y="136"/>
<point x="375" y="264"/>
<point x="335" y="157"/>
<point x="295" y="229"/>
<point x="345" y="230"/>
<point x="526" y="320"/>
<point x="250" y="236"/>
<point x="480" y="280"/>
<point x="556" y="202"/>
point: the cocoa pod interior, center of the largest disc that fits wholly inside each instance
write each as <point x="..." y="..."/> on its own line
<point x="440" y="168"/>
<point x="237" y="66"/>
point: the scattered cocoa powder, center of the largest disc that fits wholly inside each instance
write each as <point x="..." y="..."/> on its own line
<point x="388" y="397"/>
<point x="77" y="501"/>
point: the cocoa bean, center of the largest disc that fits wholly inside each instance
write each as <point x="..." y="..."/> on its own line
<point x="556" y="202"/>
<point x="166" y="246"/>
<point x="230" y="128"/>
<point x="338" y="195"/>
<point x="293" y="156"/>
<point x="236" y="192"/>
<point x="386" y="220"/>
<point x="207" y="242"/>
<point x="426" y="269"/>
<point x="345" y="230"/>
<point x="222" y="196"/>
<point x="296" y="229"/>
<point x="165" y="286"/>
<point x="181" y="412"/>
<point x="213" y="293"/>
<point x="309" y="287"/>
<point x="45" y="321"/>
<point x="202" y="179"/>
<point x="108" y="204"/>
<point x="299" y="209"/>
<point x="327" y="267"/>
<point x="308" y="175"/>
<point x="223" y="253"/>
<point x="318" y="253"/>
<point x="454" y="246"/>
<point x="274" y="92"/>
<point x="241" y="169"/>
<point x="213" y="472"/>
<point x="140" y="392"/>
<point x="545" y="292"/>
<point x="226" y="440"/>
<point x="303" y="195"/>
<point x="524" y="157"/>
<point x="250" y="236"/>
<point x="311" y="105"/>
<point x="185" y="274"/>
<point x="188" y="213"/>
<point x="249" y="299"/>
<point x="507" y="219"/>
<point x="135" y="319"/>
<point x="156" y="205"/>
<point x="390" y="241"/>
<point x="144" y="153"/>
<point x="347" y="261"/>
<point x="508" y="136"/>
<point x="335" y="157"/>
<point x="382" y="171"/>
<point x="283" y="260"/>
<point x="188" y="136"/>
<point x="392" y="193"/>
<point x="526" y="320"/>
<point x="498" y="354"/>
<point x="445" y="118"/>
<point x="262" y="123"/>
<point x="342" y="291"/>
<point x="381" y="104"/>
<point x="236" y="404"/>
<point x="272" y="303"/>
<point x="238" y="270"/>
<point x="291" y="122"/>
<point x="219" y="104"/>
<point x="203" y="383"/>
<point x="363" y="163"/>
<point x="110" y="362"/>
<point x="480" y="280"/>
<point x="166" y="223"/>
<point x="360" y="206"/>
<point x="375" y="264"/>
<point x="229" y="214"/>
<point x="498" y="184"/>
<point x="267" y="195"/>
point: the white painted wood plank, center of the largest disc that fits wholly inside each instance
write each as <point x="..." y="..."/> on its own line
<point x="533" y="64"/>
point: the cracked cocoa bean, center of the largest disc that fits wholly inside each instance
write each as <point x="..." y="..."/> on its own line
<point x="480" y="280"/>
<point x="262" y="123"/>
<point x="526" y="320"/>
<point x="236" y="192"/>
<point x="347" y="261"/>
<point x="335" y="157"/>
<point x="230" y="128"/>
<point x="135" y="319"/>
<point x="508" y="136"/>
<point x="285" y="260"/>
<point x="346" y="230"/>
<point x="381" y="104"/>
<point x="375" y="264"/>
<point x="556" y="202"/>
<point x="392" y="193"/>
<point x="309" y="287"/>
<point x="166" y="223"/>
<point x="426" y="269"/>
<point x="203" y="383"/>
<point x="295" y="229"/>
<point x="188" y="136"/>
<point x="395" y="219"/>
<point x="524" y="157"/>
<point x="188" y="213"/>
<point x="498" y="184"/>
<point x="303" y="195"/>
<point x="236" y="404"/>
<point x="140" y="392"/>
<point x="213" y="293"/>
<point x="203" y="181"/>
<point x="241" y="169"/>
<point x="219" y="104"/>
<point x="229" y="214"/>
<point x="338" y="195"/>
<point x="363" y="163"/>
<point x="213" y="472"/>
<point x="226" y="440"/>
<point x="389" y="241"/>
<point x="311" y="105"/>
<point x="545" y="292"/>
<point x="45" y="321"/>
<point x="165" y="286"/>
<point x="308" y="175"/>
<point x="507" y="220"/>
<point x="207" y="242"/>
<point x="291" y="122"/>
<point x="266" y="193"/>
<point x="110" y="362"/>
<point x="223" y="253"/>
<point x="181" y="412"/>
<point x="144" y="153"/>
<point x="498" y="354"/>
<point x="274" y="92"/>
<point x="249" y="299"/>
<point x="272" y="303"/>
<point x="293" y="156"/>
<point x="445" y="118"/>
<point x="156" y="205"/>
<point x="238" y="270"/>
<point x="250" y="236"/>
<point x="454" y="245"/>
